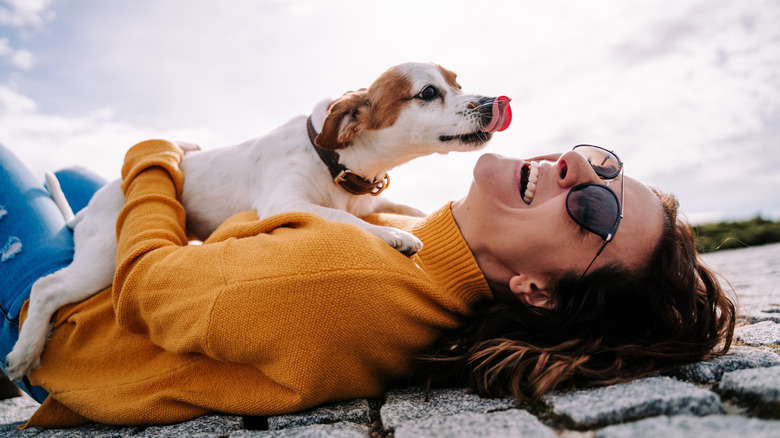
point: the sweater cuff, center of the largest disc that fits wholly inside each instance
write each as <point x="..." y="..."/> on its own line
<point x="153" y="153"/>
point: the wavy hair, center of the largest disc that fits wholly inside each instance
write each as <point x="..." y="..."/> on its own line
<point x="613" y="325"/>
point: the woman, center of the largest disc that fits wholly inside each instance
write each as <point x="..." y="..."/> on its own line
<point x="282" y="314"/>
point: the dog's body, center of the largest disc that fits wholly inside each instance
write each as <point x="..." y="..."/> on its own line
<point x="410" y="111"/>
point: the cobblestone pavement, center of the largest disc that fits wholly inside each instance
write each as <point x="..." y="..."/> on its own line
<point x="734" y="395"/>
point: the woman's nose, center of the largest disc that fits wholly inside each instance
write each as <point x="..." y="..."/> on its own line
<point x="574" y="169"/>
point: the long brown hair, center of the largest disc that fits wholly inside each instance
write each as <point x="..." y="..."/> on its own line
<point x="613" y="325"/>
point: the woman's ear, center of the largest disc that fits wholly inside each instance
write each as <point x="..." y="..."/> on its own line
<point x="342" y="122"/>
<point x="531" y="291"/>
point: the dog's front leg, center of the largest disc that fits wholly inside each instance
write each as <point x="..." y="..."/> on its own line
<point x="405" y="242"/>
<point x="70" y="284"/>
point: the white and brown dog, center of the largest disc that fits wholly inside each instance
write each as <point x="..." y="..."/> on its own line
<point x="410" y="111"/>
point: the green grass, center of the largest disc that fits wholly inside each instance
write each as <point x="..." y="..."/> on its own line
<point x="736" y="234"/>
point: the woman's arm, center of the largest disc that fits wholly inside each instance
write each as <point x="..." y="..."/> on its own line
<point x="150" y="234"/>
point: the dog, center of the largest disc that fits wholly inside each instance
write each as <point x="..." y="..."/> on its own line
<point x="336" y="172"/>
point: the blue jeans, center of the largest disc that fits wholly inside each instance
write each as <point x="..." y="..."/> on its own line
<point x="34" y="240"/>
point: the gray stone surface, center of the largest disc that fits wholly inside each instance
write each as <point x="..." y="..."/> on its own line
<point x="629" y="401"/>
<point x="769" y="312"/>
<point x="93" y="430"/>
<point x="755" y="274"/>
<point x="336" y="430"/>
<point x="207" y="426"/>
<point x="738" y="358"/>
<point x="356" y="411"/>
<point x="747" y="373"/>
<point x="512" y="423"/>
<point x="407" y="404"/>
<point x="684" y="426"/>
<point x="17" y="409"/>
<point x="761" y="383"/>
<point x="762" y="333"/>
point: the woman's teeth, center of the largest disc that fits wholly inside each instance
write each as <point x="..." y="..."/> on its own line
<point x="533" y="177"/>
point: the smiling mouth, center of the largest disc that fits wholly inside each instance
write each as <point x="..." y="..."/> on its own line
<point x="529" y="176"/>
<point x="473" y="138"/>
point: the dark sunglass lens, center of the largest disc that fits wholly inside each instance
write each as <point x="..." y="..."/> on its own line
<point x="595" y="207"/>
<point x="604" y="163"/>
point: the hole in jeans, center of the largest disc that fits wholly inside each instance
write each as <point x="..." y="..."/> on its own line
<point x="13" y="247"/>
<point x="3" y="212"/>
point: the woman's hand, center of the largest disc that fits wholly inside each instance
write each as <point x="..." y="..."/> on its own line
<point x="186" y="147"/>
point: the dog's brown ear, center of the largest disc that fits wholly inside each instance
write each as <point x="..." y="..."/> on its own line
<point x="343" y="121"/>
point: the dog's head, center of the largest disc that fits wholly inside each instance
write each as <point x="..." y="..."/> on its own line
<point x="416" y="105"/>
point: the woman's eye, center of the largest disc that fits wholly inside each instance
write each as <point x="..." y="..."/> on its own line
<point x="428" y="93"/>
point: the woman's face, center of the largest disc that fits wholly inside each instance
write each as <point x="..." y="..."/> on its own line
<point x="527" y="245"/>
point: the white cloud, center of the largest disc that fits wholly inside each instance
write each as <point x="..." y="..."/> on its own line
<point x="13" y="102"/>
<point x="22" y="13"/>
<point x="44" y="142"/>
<point x="5" y="46"/>
<point x="22" y="59"/>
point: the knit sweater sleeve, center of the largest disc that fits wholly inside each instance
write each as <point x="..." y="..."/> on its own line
<point x="150" y="230"/>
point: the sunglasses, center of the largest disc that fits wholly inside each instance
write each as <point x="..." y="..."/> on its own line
<point x="595" y="206"/>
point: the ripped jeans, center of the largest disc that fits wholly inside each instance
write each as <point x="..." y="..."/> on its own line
<point x="34" y="240"/>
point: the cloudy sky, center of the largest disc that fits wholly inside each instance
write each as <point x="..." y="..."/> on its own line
<point x="687" y="92"/>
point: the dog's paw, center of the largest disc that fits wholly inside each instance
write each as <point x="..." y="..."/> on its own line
<point x="21" y="361"/>
<point x="406" y="243"/>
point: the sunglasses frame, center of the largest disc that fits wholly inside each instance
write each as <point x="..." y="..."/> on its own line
<point x="608" y="234"/>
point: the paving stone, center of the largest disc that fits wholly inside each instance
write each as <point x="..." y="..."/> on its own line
<point x="685" y="426"/>
<point x="629" y="401"/>
<point x="760" y="383"/>
<point x="336" y="430"/>
<point x="769" y="312"/>
<point x="510" y="423"/>
<point x="407" y="404"/>
<point x="738" y="358"/>
<point x="356" y="411"/>
<point x="762" y="333"/>
<point x="17" y="409"/>
<point x="10" y="431"/>
<point x="754" y="273"/>
<point x="92" y="431"/>
<point x="206" y="426"/>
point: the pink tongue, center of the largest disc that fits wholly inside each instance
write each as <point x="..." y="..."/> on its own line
<point x="502" y="115"/>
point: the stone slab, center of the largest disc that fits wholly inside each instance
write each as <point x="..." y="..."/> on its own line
<point x="10" y="431"/>
<point x="92" y="431"/>
<point x="17" y="409"/>
<point x="512" y="423"/>
<point x="356" y="411"/>
<point x="762" y="333"/>
<point x="761" y="383"/>
<point x="408" y="404"/>
<point x="685" y="426"/>
<point x="336" y="430"/>
<point x="633" y="400"/>
<point x="753" y="272"/>
<point x="207" y="426"/>
<point x="738" y="358"/>
<point x="770" y="312"/>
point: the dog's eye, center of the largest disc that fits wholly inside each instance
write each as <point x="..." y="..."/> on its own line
<point x="428" y="93"/>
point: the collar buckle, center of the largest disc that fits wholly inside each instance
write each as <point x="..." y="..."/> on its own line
<point x="356" y="184"/>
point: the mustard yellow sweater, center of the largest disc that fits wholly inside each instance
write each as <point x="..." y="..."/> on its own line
<point x="266" y="317"/>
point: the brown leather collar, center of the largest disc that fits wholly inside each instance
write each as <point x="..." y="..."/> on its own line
<point x="347" y="179"/>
